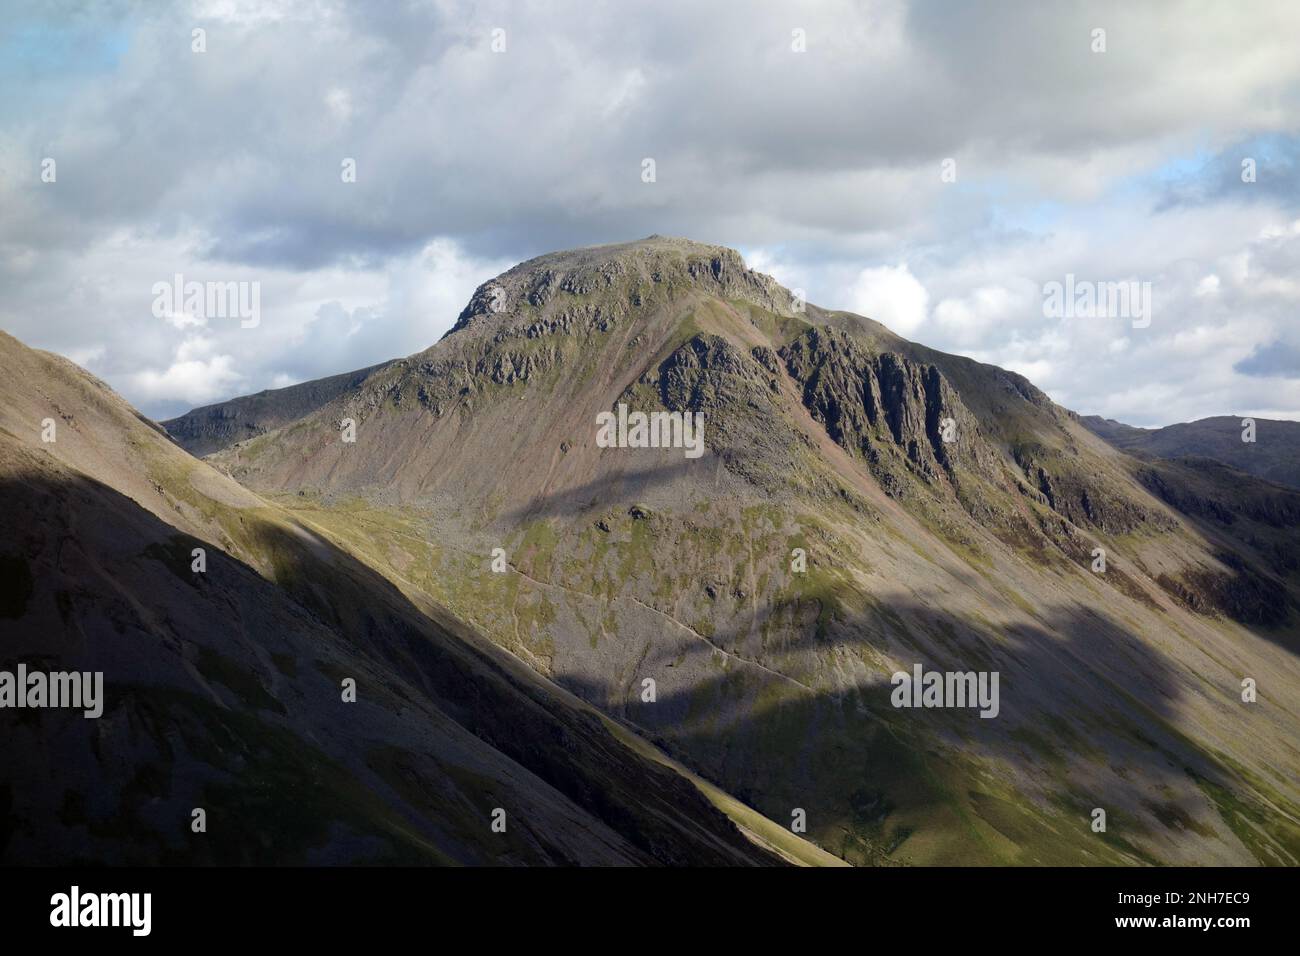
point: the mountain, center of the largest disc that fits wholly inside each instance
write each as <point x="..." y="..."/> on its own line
<point x="1273" y="455"/>
<point x="224" y="689"/>
<point x="863" y="506"/>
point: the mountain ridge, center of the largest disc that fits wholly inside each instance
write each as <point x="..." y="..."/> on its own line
<point x="1274" y="454"/>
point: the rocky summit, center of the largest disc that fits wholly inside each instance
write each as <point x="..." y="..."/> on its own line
<point x="901" y="608"/>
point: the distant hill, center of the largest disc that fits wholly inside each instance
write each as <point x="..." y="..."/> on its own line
<point x="210" y="428"/>
<point x="1275" y="453"/>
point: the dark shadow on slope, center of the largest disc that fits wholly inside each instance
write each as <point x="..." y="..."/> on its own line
<point x="503" y="703"/>
<point x="354" y="622"/>
<point x="625" y="487"/>
<point x="1089" y="696"/>
<point x="1087" y="716"/>
<point x="1252" y="527"/>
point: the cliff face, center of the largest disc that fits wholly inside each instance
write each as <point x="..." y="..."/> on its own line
<point x="863" y="504"/>
<point x="868" y="402"/>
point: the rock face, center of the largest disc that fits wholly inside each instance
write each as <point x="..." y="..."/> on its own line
<point x="870" y="402"/>
<point x="863" y="505"/>
<point x="716" y="378"/>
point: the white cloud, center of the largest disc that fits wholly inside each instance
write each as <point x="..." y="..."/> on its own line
<point x="892" y="295"/>
<point x="313" y="323"/>
<point x="1208" y="286"/>
<point x="624" y="94"/>
<point x="184" y="320"/>
<point x="339" y="102"/>
<point x="194" y="380"/>
<point x="88" y="356"/>
<point x="968" y="320"/>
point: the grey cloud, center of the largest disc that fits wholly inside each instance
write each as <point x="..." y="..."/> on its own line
<point x="228" y="162"/>
<point x="1277" y="359"/>
<point x="516" y="148"/>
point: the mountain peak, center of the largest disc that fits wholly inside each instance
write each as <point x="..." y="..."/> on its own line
<point x="623" y="274"/>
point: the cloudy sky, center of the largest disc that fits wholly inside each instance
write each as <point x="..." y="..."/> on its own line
<point x="934" y="165"/>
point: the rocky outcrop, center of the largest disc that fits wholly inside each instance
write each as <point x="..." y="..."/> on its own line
<point x="872" y="402"/>
<point x="1195" y="486"/>
<point x="743" y="422"/>
<point x="1087" y="499"/>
